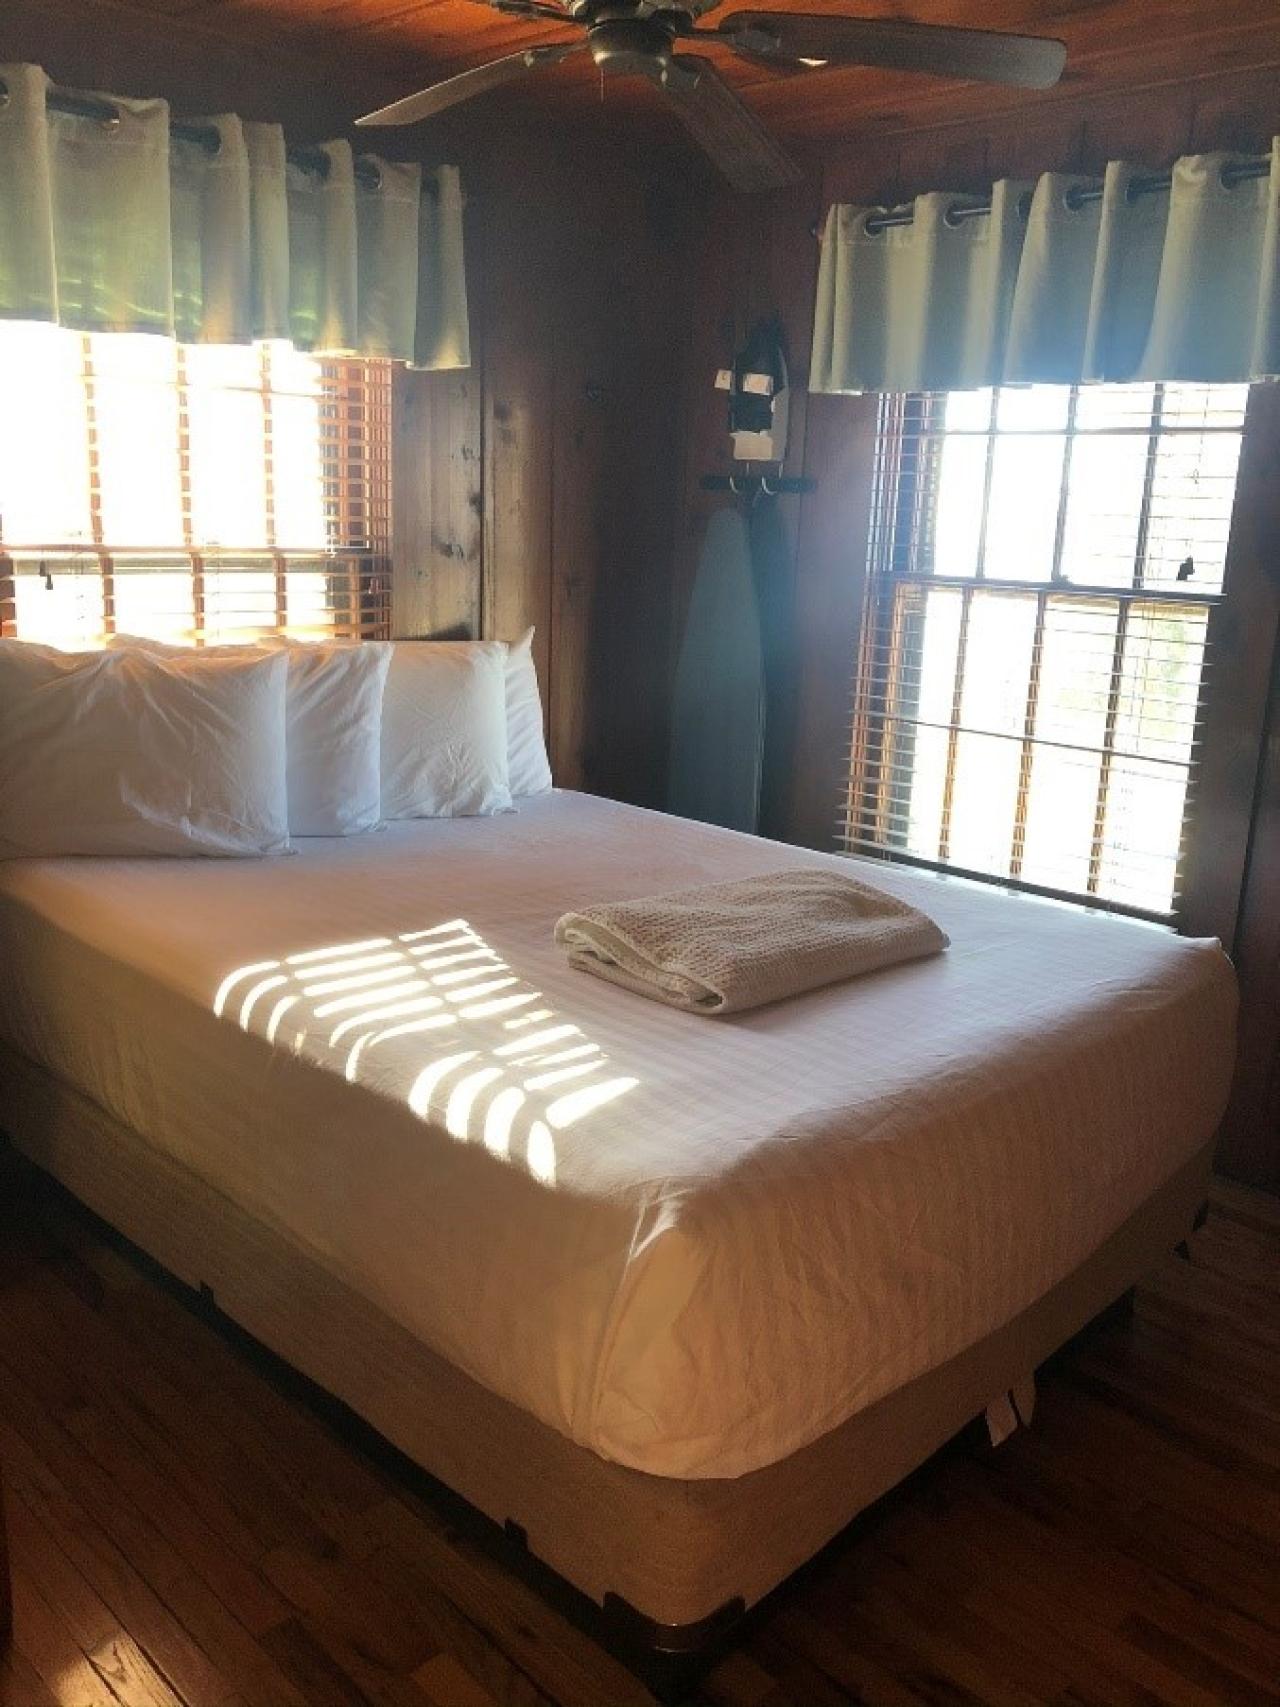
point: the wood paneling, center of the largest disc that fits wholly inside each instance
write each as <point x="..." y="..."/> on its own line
<point x="1115" y="48"/>
<point x="438" y="498"/>
<point x="539" y="488"/>
<point x="185" y="1531"/>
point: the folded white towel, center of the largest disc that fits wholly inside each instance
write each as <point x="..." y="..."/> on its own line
<point x="730" y="946"/>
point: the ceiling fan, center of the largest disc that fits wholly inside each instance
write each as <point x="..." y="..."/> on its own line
<point x="639" y="37"/>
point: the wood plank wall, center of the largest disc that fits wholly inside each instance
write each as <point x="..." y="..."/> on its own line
<point x="539" y="487"/>
<point x="761" y="256"/>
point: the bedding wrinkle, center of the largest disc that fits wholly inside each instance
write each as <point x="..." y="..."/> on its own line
<point x="738" y="1234"/>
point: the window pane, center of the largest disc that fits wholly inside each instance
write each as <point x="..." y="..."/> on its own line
<point x="1104" y="510"/>
<point x="1160" y="681"/>
<point x="322" y="597"/>
<point x="984" y="798"/>
<point x="932" y="684"/>
<point x="1062" y="797"/>
<point x="969" y="411"/>
<point x="155" y="597"/>
<point x="918" y="758"/>
<point x="957" y="512"/>
<point x="298" y="473"/>
<point x="44" y="443"/>
<point x="228" y="447"/>
<point x="1033" y="408"/>
<point x="1204" y="405"/>
<point x="1077" y="651"/>
<point x="1142" y="833"/>
<point x="293" y="371"/>
<point x="1103" y="408"/>
<point x="1022" y="519"/>
<point x="65" y="609"/>
<point x="136" y="411"/>
<point x="239" y="600"/>
<point x="233" y="366"/>
<point x="1191" y="502"/>
<point x="997" y="662"/>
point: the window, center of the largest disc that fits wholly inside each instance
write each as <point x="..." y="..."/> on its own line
<point x="189" y="492"/>
<point x="1043" y="563"/>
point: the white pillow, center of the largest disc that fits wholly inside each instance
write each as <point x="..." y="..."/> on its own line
<point x="127" y="753"/>
<point x="527" y="763"/>
<point x="335" y="735"/>
<point x="334" y="729"/>
<point x="444" y="730"/>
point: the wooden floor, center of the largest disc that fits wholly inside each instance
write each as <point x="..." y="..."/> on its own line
<point x="184" y="1530"/>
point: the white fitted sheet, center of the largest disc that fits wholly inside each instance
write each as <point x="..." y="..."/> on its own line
<point x="776" y="1218"/>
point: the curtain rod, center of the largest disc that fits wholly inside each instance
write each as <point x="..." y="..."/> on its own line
<point x="1079" y="195"/>
<point x="204" y="136"/>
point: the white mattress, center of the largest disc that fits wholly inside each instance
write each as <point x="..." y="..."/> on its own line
<point x="773" y="1220"/>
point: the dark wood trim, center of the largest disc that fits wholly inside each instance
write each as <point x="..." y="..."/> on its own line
<point x="1250" y="1148"/>
<point x="834" y="537"/>
<point x="6" y="1588"/>
<point x="1242" y="644"/>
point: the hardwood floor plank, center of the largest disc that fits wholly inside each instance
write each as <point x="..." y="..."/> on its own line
<point x="312" y="1668"/>
<point x="48" y="1645"/>
<point x="445" y="1683"/>
<point x="188" y="1532"/>
<point x="20" y="1683"/>
<point x="121" y="1663"/>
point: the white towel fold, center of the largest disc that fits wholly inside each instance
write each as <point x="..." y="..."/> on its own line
<point x="731" y="946"/>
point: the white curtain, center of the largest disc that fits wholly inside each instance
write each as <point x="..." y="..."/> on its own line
<point x="119" y="226"/>
<point x="1181" y="284"/>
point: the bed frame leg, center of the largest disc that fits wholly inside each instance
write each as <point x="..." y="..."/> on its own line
<point x="671" y="1658"/>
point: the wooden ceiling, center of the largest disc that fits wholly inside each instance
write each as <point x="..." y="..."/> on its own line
<point x="339" y="56"/>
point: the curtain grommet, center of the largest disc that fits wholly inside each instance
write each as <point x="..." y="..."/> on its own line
<point x="5" y="96"/>
<point x="872" y="222"/>
<point x="1229" y="177"/>
<point x="1072" y="199"/>
<point x="369" y="175"/>
<point x="952" y="217"/>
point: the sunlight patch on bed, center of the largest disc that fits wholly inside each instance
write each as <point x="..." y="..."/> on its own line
<point x="438" y="1017"/>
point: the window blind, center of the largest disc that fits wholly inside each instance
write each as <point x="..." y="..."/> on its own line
<point x="206" y="493"/>
<point x="1043" y="564"/>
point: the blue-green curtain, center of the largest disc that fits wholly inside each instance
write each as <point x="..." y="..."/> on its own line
<point x="1181" y="284"/>
<point x="123" y="228"/>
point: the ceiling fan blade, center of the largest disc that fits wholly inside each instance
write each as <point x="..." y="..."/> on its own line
<point x="985" y="56"/>
<point x="726" y="130"/>
<point x="529" y="9"/>
<point x="427" y="102"/>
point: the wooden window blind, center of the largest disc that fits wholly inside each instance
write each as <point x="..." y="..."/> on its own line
<point x="202" y="493"/>
<point x="1027" y="699"/>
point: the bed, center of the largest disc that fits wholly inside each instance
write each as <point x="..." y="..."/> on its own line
<point x="671" y="1298"/>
